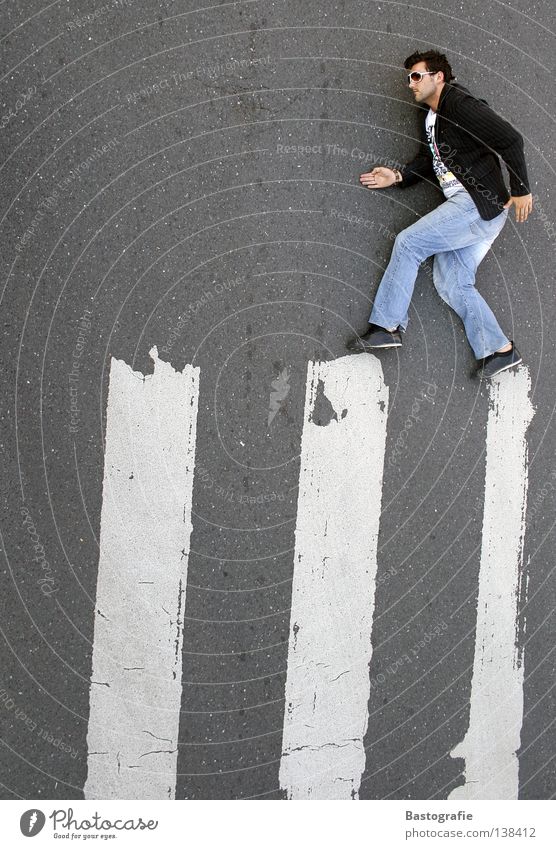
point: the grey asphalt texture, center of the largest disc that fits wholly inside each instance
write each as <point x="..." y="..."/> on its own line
<point x="243" y="169"/>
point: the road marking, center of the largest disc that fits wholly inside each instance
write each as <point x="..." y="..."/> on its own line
<point x="496" y="714"/>
<point x="338" y="513"/>
<point x="136" y="685"/>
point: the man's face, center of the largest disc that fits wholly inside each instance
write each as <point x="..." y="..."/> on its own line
<point x="428" y="86"/>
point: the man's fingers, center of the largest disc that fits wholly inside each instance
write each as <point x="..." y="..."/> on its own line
<point x="523" y="208"/>
<point x="522" y="212"/>
<point x="528" y="210"/>
<point x="378" y="178"/>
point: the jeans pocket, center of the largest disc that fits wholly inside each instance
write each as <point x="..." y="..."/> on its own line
<point x="488" y="229"/>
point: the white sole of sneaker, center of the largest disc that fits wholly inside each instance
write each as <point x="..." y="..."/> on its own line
<point x="386" y="345"/>
<point x="369" y="348"/>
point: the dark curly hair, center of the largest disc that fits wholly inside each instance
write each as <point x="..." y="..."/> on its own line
<point x="434" y="61"/>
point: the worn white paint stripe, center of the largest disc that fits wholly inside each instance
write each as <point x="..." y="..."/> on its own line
<point x="496" y="714"/>
<point x="144" y="548"/>
<point x="338" y="513"/>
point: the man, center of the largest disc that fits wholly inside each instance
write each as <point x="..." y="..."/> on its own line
<point x="463" y="138"/>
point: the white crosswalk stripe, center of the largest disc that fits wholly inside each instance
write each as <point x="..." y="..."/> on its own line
<point x="327" y="685"/>
<point x="144" y="546"/>
<point x="496" y="713"/>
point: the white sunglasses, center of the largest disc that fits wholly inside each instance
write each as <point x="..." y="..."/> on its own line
<point x="417" y="76"/>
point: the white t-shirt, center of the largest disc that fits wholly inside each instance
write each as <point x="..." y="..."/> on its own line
<point x="448" y="183"/>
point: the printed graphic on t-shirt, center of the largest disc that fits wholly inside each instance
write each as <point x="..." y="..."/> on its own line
<point x="448" y="182"/>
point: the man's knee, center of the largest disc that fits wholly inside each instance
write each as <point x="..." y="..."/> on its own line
<point x="404" y="238"/>
<point x="410" y="241"/>
<point x="404" y="243"/>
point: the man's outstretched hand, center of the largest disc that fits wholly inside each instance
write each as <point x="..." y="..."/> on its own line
<point x="382" y="178"/>
<point x="378" y="178"/>
<point x="523" y="206"/>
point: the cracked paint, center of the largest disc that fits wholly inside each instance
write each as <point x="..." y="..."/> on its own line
<point x="142" y="579"/>
<point x="333" y="590"/>
<point x="489" y="748"/>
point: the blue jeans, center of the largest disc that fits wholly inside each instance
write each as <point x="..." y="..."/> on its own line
<point x="459" y="239"/>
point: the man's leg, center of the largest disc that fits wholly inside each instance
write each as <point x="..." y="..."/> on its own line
<point x="454" y="224"/>
<point x="454" y="279"/>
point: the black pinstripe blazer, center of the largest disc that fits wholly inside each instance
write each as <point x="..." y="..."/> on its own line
<point x="470" y="137"/>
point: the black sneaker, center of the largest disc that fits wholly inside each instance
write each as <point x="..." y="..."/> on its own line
<point x="499" y="361"/>
<point x="375" y="337"/>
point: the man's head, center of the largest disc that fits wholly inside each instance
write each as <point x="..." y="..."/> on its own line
<point x="437" y="72"/>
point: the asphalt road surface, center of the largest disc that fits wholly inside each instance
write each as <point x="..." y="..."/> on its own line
<point x="251" y="514"/>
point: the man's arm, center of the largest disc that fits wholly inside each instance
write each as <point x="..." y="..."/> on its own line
<point x="383" y="177"/>
<point x="475" y="117"/>
<point x="419" y="168"/>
